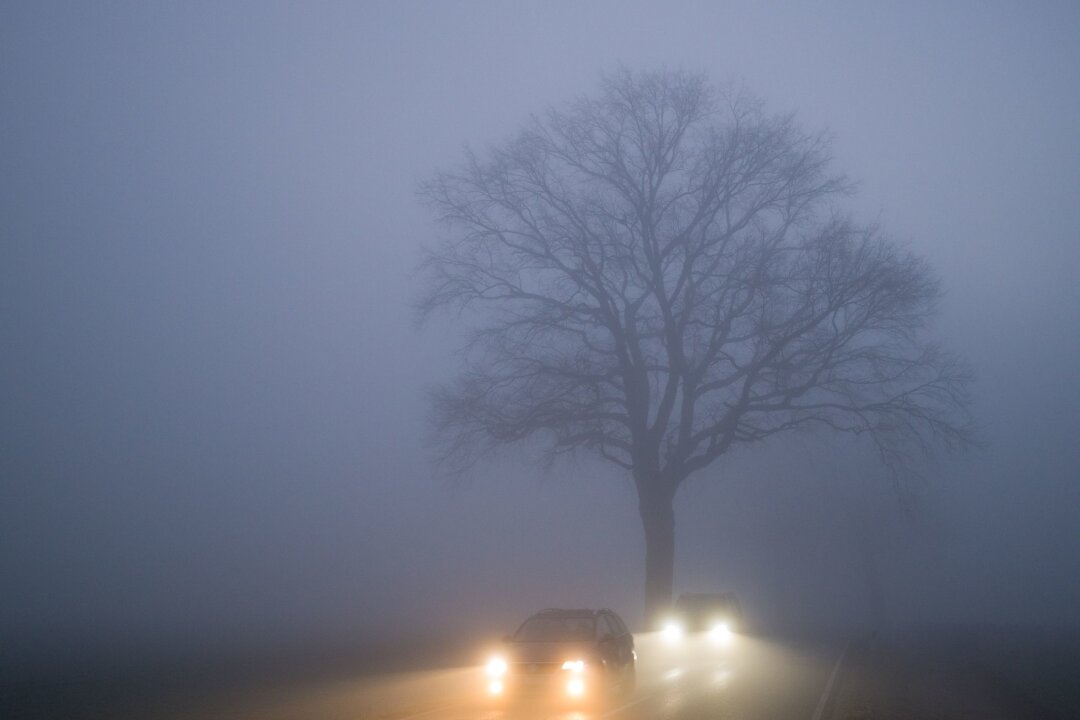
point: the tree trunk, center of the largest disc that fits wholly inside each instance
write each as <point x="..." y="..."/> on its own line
<point x="658" y="519"/>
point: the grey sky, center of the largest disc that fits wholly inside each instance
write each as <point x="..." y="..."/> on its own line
<point x="211" y="389"/>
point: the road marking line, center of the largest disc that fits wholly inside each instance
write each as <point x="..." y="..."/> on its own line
<point x="829" y="686"/>
<point x="627" y="705"/>
<point x="422" y="713"/>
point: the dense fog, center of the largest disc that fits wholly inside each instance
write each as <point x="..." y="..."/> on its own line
<point x="213" y="388"/>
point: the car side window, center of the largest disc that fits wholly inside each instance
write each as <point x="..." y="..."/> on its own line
<point x="609" y="626"/>
<point x="620" y="627"/>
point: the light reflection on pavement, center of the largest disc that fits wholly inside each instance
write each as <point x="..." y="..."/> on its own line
<point x="745" y="678"/>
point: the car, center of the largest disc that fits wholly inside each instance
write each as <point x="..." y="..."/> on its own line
<point x="567" y="654"/>
<point x="717" y="614"/>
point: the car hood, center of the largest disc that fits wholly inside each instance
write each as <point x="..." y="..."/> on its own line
<point x="545" y="652"/>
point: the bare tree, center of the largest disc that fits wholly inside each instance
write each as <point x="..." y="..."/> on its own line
<point x="658" y="274"/>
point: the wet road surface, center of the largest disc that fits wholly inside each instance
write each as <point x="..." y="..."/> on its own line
<point x="745" y="678"/>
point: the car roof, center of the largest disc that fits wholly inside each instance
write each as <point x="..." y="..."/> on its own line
<point x="574" y="612"/>
<point x="562" y="612"/>
<point x="724" y="596"/>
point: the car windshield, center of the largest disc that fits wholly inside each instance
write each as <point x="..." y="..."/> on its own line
<point x="702" y="608"/>
<point x="556" y="629"/>
<point x="701" y="603"/>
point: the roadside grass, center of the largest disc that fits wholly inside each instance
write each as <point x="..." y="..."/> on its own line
<point x="962" y="673"/>
<point x="1041" y="664"/>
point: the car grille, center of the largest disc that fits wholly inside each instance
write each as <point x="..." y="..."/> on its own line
<point x="541" y="668"/>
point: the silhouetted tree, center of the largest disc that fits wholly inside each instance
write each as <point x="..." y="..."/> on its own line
<point x="659" y="274"/>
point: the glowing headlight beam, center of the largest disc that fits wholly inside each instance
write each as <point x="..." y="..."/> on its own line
<point x="722" y="631"/>
<point x="496" y="667"/>
<point x="575" y="687"/>
<point x="671" y="631"/>
<point x="574" y="666"/>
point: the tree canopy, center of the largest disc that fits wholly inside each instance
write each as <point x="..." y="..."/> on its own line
<point x="664" y="271"/>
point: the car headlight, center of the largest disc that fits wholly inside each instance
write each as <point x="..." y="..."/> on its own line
<point x="720" y="631"/>
<point x="574" y="666"/>
<point x="575" y="687"/>
<point x="496" y="667"/>
<point x="671" y="630"/>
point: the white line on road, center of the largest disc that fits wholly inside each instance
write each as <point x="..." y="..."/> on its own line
<point x="829" y="686"/>
<point x="424" y="713"/>
<point x="627" y="705"/>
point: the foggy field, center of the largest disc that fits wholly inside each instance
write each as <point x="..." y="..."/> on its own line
<point x="337" y="339"/>
<point x="165" y="684"/>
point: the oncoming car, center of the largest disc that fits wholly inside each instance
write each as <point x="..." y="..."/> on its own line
<point x="717" y="614"/>
<point x="575" y="654"/>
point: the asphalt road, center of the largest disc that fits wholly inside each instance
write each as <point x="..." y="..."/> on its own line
<point x="963" y="672"/>
<point x="746" y="678"/>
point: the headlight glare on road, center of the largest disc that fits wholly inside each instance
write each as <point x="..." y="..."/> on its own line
<point x="574" y="666"/>
<point x="495" y="687"/>
<point x="496" y="668"/>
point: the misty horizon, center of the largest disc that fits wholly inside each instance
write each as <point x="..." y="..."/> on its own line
<point x="215" y="418"/>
